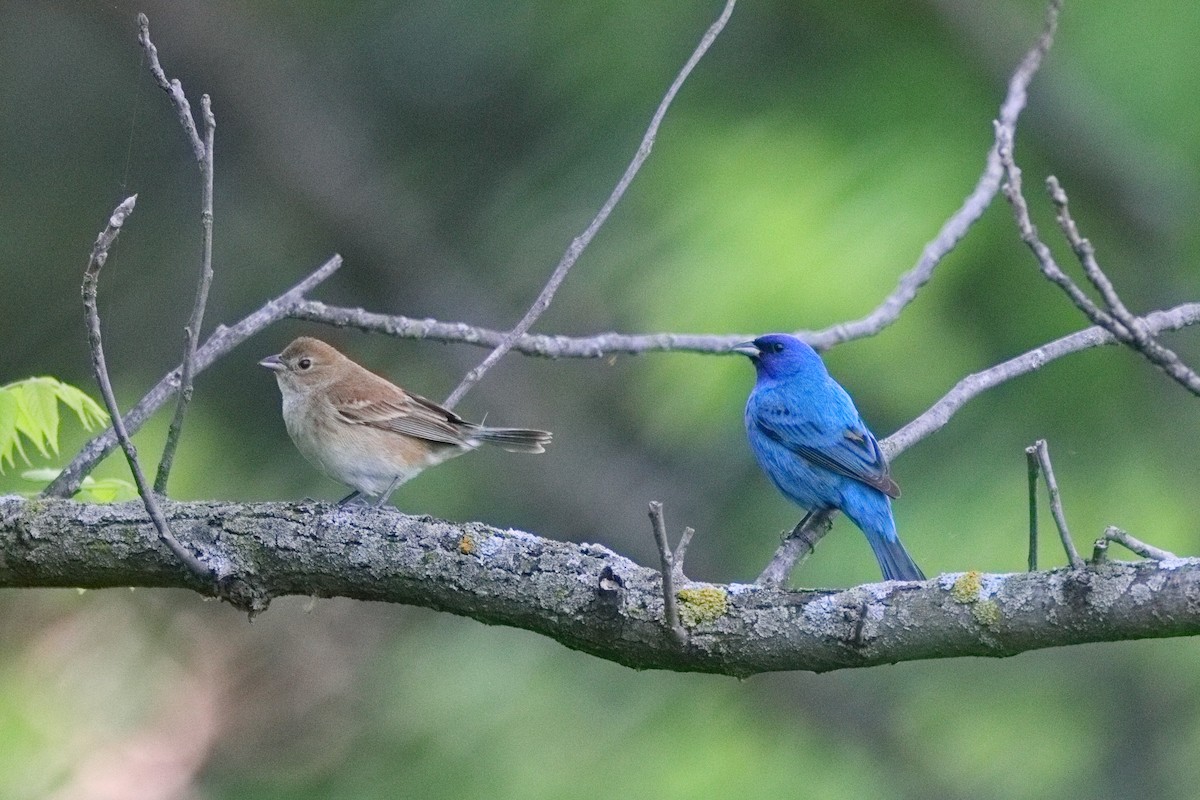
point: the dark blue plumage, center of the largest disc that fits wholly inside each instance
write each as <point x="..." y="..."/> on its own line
<point x="809" y="439"/>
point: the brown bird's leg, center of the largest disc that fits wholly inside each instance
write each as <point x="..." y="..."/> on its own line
<point x="388" y="492"/>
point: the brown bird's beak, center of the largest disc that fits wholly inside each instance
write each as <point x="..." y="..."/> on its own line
<point x="273" y="363"/>
<point x="745" y="348"/>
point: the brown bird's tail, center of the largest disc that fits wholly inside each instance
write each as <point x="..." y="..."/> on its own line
<point x="514" y="440"/>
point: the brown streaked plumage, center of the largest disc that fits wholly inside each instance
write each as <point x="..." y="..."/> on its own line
<point x="365" y="431"/>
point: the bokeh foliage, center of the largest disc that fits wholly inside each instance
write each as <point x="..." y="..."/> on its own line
<point x="450" y="150"/>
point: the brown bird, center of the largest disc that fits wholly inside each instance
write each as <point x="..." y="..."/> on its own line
<point x="365" y="431"/>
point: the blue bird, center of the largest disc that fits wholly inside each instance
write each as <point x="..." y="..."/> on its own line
<point x="810" y="440"/>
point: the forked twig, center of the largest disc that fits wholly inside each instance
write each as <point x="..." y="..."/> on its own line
<point x="1056" y="510"/>
<point x="672" y="565"/>
<point x="203" y="150"/>
<point x="1114" y="317"/>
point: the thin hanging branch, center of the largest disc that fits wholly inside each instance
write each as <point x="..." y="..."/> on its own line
<point x="91" y="279"/>
<point x="580" y="243"/>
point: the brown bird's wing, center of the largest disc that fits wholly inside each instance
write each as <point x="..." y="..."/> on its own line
<point x="405" y="414"/>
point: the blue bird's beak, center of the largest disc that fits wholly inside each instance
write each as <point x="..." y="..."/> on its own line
<point x="747" y="349"/>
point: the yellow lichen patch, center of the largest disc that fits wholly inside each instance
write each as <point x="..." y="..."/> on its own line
<point x="466" y="545"/>
<point x="986" y="612"/>
<point x="966" y="589"/>
<point x="702" y="604"/>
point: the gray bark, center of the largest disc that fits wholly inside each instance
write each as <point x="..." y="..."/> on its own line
<point x="584" y="595"/>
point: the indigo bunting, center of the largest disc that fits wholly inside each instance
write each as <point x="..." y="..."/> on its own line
<point x="366" y="432"/>
<point x="810" y="440"/>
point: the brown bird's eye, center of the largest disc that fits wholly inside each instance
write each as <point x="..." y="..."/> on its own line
<point x="304" y="363"/>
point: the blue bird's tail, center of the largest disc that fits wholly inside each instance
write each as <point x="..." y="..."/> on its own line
<point x="871" y="511"/>
<point x="894" y="560"/>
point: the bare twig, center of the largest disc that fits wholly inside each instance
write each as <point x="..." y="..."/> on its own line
<point x="1099" y="551"/>
<point x="975" y="384"/>
<point x="1086" y="255"/>
<point x="1030" y="236"/>
<point x="1056" y="509"/>
<point x="575" y="250"/>
<point x="530" y="344"/>
<point x="956" y="227"/>
<point x="196" y="321"/>
<point x="221" y="341"/>
<point x="1115" y="534"/>
<point x="606" y="344"/>
<point x="91" y="278"/>
<point x="795" y="547"/>
<point x="171" y="87"/>
<point x="670" y="608"/>
<point x="680" y="553"/>
<point x="1031" y="461"/>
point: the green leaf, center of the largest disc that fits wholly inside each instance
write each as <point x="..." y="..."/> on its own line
<point x="10" y="441"/>
<point x="90" y="413"/>
<point x="29" y="410"/>
<point x="41" y="475"/>
<point x="37" y="415"/>
<point x="104" y="490"/>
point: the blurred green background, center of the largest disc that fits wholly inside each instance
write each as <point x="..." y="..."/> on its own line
<point x="450" y="150"/>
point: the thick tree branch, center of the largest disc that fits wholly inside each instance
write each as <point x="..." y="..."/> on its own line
<point x="589" y="598"/>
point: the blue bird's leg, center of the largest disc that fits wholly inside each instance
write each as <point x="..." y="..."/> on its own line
<point x="799" y="526"/>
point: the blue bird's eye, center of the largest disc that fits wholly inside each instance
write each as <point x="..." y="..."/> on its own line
<point x="777" y="347"/>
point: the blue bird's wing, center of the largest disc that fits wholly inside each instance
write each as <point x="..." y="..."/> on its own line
<point x="832" y="437"/>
